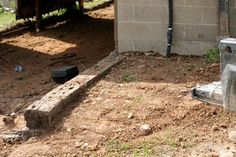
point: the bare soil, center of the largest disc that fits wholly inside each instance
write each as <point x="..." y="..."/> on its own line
<point x="81" y="42"/>
<point x="153" y="89"/>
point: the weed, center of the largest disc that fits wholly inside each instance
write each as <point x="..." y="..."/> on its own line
<point x="136" y="150"/>
<point x="212" y="55"/>
<point x="6" y="19"/>
<point x="172" y="142"/>
<point x="128" y="78"/>
<point x="112" y="145"/>
<point x="125" y="147"/>
<point x="145" y="149"/>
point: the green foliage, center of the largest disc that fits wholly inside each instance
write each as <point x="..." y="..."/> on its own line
<point x="59" y="12"/>
<point x="128" y="78"/>
<point x="6" y="19"/>
<point x="143" y="149"/>
<point x="212" y="55"/>
<point x="94" y="3"/>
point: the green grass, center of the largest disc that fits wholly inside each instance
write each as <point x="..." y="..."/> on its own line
<point x="7" y="20"/>
<point x="128" y="78"/>
<point x="212" y="55"/>
<point x="142" y="149"/>
<point x="94" y="3"/>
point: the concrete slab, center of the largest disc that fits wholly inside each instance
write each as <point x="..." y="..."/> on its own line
<point x="42" y="112"/>
<point x="209" y="93"/>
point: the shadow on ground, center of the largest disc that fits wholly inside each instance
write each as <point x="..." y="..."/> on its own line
<point x="82" y="42"/>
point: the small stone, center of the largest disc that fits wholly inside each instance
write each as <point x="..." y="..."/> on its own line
<point x="85" y="145"/>
<point x="145" y="129"/>
<point x="120" y="85"/>
<point x="69" y="129"/>
<point x="180" y="139"/>
<point x="130" y="116"/>
<point x="232" y="136"/>
<point x="224" y="126"/>
<point x="215" y="128"/>
<point x="226" y="153"/>
<point x="87" y="154"/>
<point x="93" y="147"/>
<point x="78" y="144"/>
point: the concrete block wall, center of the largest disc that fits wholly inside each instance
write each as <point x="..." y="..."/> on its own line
<point x="232" y="15"/>
<point x="142" y="25"/>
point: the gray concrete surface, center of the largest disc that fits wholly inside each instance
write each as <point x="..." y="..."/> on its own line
<point x="233" y="18"/>
<point x="142" y="25"/>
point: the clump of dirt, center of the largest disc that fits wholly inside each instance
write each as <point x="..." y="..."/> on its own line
<point x="155" y="91"/>
<point x="81" y="42"/>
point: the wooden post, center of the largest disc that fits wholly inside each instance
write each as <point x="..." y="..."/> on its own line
<point x="223" y="19"/>
<point x="81" y="5"/>
<point x="18" y="5"/>
<point x="38" y="14"/>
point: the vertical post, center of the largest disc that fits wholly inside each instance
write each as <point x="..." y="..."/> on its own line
<point x="81" y="6"/>
<point x="223" y="19"/>
<point x="18" y="5"/>
<point x="38" y="14"/>
<point x="116" y="25"/>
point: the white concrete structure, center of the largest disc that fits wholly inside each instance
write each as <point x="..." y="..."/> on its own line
<point x="141" y="25"/>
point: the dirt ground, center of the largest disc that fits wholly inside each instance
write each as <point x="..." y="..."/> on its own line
<point x="141" y="90"/>
<point x="81" y="42"/>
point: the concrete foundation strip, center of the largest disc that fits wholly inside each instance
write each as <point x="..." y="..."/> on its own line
<point x="42" y="112"/>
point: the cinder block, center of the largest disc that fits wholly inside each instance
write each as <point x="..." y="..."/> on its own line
<point x="125" y="45"/>
<point x="126" y="13"/>
<point x="204" y="3"/>
<point x="133" y="30"/>
<point x="233" y="31"/>
<point x="192" y="47"/>
<point x="232" y="3"/>
<point x="159" y="31"/>
<point x="134" y="2"/>
<point x="209" y="16"/>
<point x="191" y="15"/>
<point x="42" y="113"/>
<point x="205" y="33"/>
<point x="195" y="25"/>
<point x="150" y="45"/>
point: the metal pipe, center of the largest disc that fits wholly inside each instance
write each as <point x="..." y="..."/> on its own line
<point x="170" y="28"/>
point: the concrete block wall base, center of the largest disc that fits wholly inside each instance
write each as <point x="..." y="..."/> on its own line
<point x="42" y="112"/>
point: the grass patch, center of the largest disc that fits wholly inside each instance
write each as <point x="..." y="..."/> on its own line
<point x="142" y="149"/>
<point x="94" y="3"/>
<point x="169" y="139"/>
<point x="128" y="78"/>
<point x="6" y="20"/>
<point x="9" y="19"/>
<point x="59" y="12"/>
<point x="212" y="55"/>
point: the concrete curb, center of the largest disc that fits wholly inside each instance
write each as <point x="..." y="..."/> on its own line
<point x="41" y="113"/>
